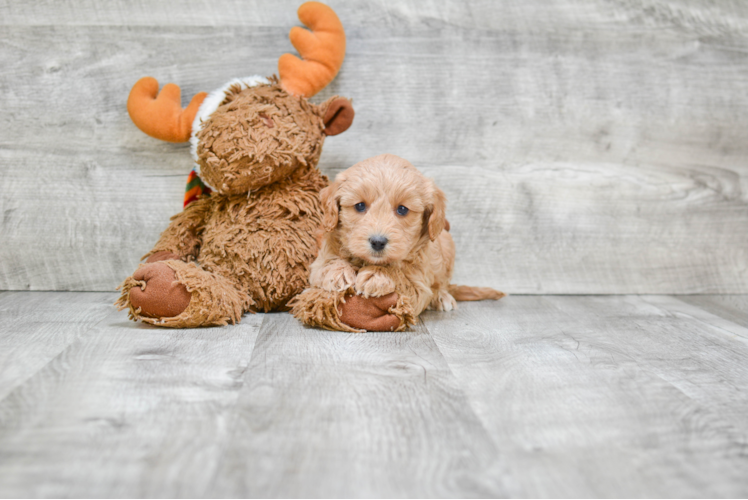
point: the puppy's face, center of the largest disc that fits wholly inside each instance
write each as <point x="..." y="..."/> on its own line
<point x="382" y="209"/>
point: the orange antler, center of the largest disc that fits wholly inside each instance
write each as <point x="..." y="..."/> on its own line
<point x="323" y="50"/>
<point x="162" y="117"/>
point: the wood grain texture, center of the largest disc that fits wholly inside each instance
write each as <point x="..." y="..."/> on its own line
<point x="532" y="396"/>
<point x="37" y="326"/>
<point x="585" y="148"/>
<point x="330" y="414"/>
<point x="727" y="15"/>
<point x="733" y="308"/>
<point x="126" y="411"/>
<point x="613" y="396"/>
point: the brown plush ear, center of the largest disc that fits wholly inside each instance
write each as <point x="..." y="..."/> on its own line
<point x="329" y="198"/>
<point x="434" y="217"/>
<point x="338" y="115"/>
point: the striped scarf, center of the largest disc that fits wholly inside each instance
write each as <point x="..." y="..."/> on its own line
<point x="195" y="188"/>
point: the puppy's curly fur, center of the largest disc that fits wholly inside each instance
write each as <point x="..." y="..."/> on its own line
<point x="384" y="231"/>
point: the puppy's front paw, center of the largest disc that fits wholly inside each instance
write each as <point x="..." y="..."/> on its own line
<point x="338" y="276"/>
<point x="373" y="282"/>
<point x="443" y="301"/>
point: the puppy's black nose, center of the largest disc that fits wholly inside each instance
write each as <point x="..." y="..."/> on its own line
<point x="378" y="242"/>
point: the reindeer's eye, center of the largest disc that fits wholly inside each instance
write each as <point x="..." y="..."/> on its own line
<point x="360" y="206"/>
<point x="401" y="210"/>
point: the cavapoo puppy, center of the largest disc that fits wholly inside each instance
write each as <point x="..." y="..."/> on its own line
<point x="383" y="236"/>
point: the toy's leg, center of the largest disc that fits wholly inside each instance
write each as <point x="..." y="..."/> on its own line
<point x="178" y="294"/>
<point x="388" y="313"/>
<point x="352" y="313"/>
<point x="320" y="308"/>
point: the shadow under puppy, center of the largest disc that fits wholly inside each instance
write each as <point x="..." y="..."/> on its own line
<point x="384" y="246"/>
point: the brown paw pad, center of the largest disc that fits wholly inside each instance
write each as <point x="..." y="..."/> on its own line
<point x="370" y="313"/>
<point x="162" y="296"/>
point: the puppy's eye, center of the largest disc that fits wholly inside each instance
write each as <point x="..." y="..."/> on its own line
<point x="401" y="210"/>
<point x="360" y="207"/>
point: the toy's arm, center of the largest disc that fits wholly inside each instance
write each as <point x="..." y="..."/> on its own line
<point x="182" y="239"/>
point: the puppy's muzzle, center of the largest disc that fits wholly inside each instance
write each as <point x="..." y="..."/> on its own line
<point x="378" y="242"/>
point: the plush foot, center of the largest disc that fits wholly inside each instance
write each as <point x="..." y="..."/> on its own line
<point x="320" y="308"/>
<point x="159" y="294"/>
<point x="352" y="313"/>
<point x="178" y="294"/>
<point x="370" y="314"/>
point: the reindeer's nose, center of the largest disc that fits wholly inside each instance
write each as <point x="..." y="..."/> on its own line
<point x="378" y="242"/>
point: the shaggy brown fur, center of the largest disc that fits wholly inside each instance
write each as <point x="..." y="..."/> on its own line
<point x="257" y="138"/>
<point x="250" y="244"/>
<point x="416" y="261"/>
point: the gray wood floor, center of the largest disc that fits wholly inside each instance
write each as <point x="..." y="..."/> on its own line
<point x="532" y="396"/>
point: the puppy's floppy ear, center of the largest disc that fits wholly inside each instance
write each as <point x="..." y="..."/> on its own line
<point x="330" y="208"/>
<point x="337" y="113"/>
<point x="434" y="217"/>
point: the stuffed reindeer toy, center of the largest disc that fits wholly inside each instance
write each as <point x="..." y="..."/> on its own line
<point x="246" y="238"/>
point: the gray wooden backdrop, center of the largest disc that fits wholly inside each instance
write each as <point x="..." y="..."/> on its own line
<point x="594" y="146"/>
